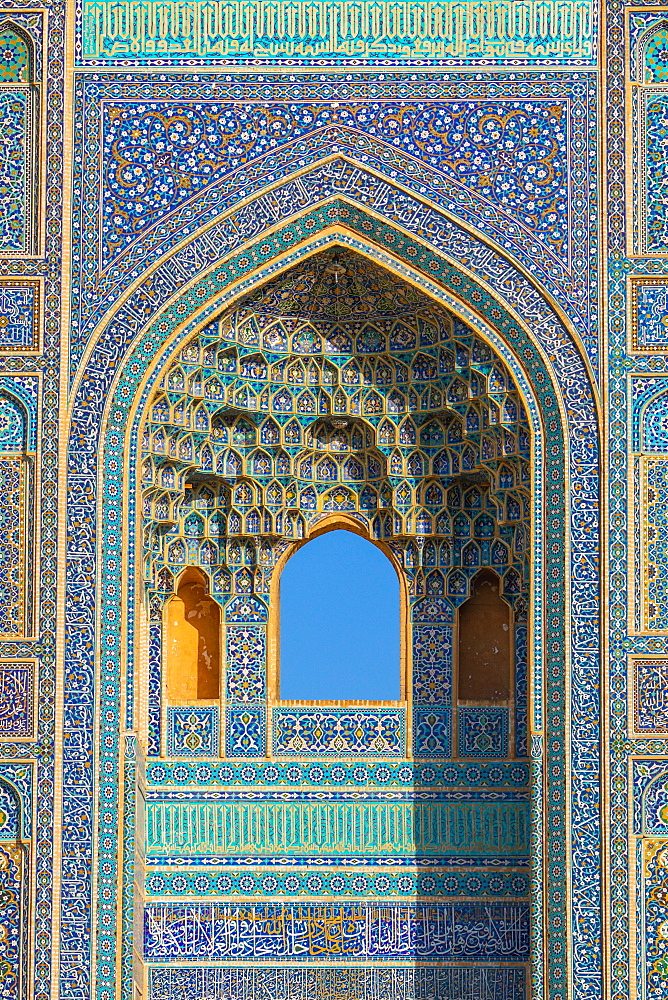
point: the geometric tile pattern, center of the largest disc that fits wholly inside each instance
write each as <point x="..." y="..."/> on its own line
<point x="12" y="429"/>
<point x="12" y="915"/>
<point x="245" y="663"/>
<point x="192" y="732"/>
<point x="245" y="732"/>
<point x="338" y="732"/>
<point x="487" y="170"/>
<point x="656" y="57"/>
<point x="654" y="876"/>
<point x="482" y="732"/>
<point x="472" y="774"/>
<point x="99" y="291"/>
<point x="636" y="588"/>
<point x="432" y="664"/>
<point x="158" y="155"/>
<point x="654" y="172"/>
<point x="654" y="432"/>
<point x="432" y="732"/>
<point x="654" y="500"/>
<point x="15" y="169"/>
<point x="155" y="681"/>
<point x="652" y="802"/>
<point x="296" y="883"/>
<point x="16" y="57"/>
<point x="396" y="415"/>
<point x="12" y="532"/>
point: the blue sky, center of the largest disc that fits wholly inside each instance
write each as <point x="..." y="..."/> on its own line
<point x="339" y="621"/>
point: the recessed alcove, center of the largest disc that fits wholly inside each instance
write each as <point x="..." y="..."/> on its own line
<point x="339" y="396"/>
<point x="484" y="644"/>
<point x="192" y="641"/>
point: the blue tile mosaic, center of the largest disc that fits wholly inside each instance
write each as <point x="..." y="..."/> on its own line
<point x="245" y="732"/>
<point x="338" y="732"/>
<point x="482" y="732"/>
<point x="192" y="732"/>
<point x="245" y="670"/>
<point x="651" y="695"/>
<point x="443" y="162"/>
<point x="432" y="732"/>
<point x="16" y="179"/>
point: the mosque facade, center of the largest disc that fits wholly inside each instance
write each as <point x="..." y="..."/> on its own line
<point x="274" y="268"/>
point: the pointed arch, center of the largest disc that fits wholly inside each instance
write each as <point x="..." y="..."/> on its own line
<point x="19" y="98"/>
<point x="654" y="423"/>
<point x="651" y="54"/>
<point x="192" y="620"/>
<point x="17" y="58"/>
<point x="514" y="341"/>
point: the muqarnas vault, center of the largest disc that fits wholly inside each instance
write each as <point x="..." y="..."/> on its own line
<point x="337" y="395"/>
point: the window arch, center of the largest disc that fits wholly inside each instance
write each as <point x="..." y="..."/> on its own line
<point x="18" y="95"/>
<point x="16" y="471"/>
<point x="16" y="54"/>
<point x="14" y="858"/>
<point x="648" y="96"/>
<point x="484" y="666"/>
<point x="340" y="620"/>
<point x="652" y="54"/>
<point x="654" y="423"/>
<point x="192" y="641"/>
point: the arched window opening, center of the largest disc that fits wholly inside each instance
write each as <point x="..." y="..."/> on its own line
<point x="15" y="498"/>
<point x="15" y="55"/>
<point x="14" y="858"/>
<point x="18" y="107"/>
<point x="654" y="49"/>
<point x="339" y="608"/>
<point x="655" y="424"/>
<point x="485" y="647"/>
<point x="193" y="641"/>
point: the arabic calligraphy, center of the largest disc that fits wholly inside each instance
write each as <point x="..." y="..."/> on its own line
<point x="337" y="984"/>
<point x="239" y="30"/>
<point x="16" y="699"/>
<point x="465" y="931"/>
<point x="651" y="695"/>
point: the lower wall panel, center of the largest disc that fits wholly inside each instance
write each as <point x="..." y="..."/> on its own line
<point x="481" y="983"/>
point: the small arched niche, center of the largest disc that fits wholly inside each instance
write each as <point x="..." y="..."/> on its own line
<point x="653" y="54"/>
<point x="340" y="613"/>
<point x="484" y="659"/>
<point x="19" y="111"/>
<point x="192" y="621"/>
<point x="16" y="54"/>
<point x="654" y="424"/>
